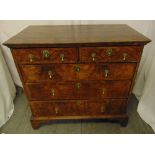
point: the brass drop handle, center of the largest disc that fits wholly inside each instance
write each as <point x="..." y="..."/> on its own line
<point x="125" y="56"/>
<point x="109" y="52"/>
<point x="53" y="92"/>
<point x="78" y="85"/>
<point x="77" y="68"/>
<point x="103" y="109"/>
<point x="50" y="73"/>
<point x="46" y="53"/>
<point x="56" y="110"/>
<point x="103" y="91"/>
<point x="62" y="57"/>
<point x="93" y="55"/>
<point x="106" y="72"/>
<point x="31" y="57"/>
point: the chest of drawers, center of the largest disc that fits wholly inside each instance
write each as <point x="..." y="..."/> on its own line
<point x="77" y="72"/>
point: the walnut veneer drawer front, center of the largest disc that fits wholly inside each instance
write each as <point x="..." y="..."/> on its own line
<point x="78" y="90"/>
<point x="45" y="55"/>
<point x="78" y="71"/>
<point x="110" y="54"/>
<point x="74" y="72"/>
<point x="58" y="108"/>
<point x="77" y="107"/>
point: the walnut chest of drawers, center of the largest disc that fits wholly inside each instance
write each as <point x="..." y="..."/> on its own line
<point x="77" y="72"/>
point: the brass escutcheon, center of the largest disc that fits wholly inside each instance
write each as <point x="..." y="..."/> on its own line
<point x="46" y="53"/>
<point x="109" y="52"/>
<point x="78" y="85"/>
<point x="77" y="68"/>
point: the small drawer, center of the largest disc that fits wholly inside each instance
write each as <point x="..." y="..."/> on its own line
<point x="110" y="54"/>
<point x="45" y="55"/>
<point x="57" y="108"/>
<point x="105" y="106"/>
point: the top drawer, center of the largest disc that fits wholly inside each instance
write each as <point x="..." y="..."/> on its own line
<point x="110" y="54"/>
<point x="45" y="55"/>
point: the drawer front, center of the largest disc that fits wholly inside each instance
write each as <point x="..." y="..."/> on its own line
<point x="73" y="72"/>
<point x="60" y="72"/>
<point x="77" y="107"/>
<point x="78" y="90"/>
<point x="45" y="55"/>
<point x="48" y="91"/>
<point x="105" y="89"/>
<point x="105" y="106"/>
<point x="57" y="108"/>
<point x="117" y="71"/>
<point x="110" y="54"/>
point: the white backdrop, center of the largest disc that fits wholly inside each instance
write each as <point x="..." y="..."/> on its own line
<point x="145" y="85"/>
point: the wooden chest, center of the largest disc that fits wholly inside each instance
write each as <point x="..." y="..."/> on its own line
<point x="77" y="72"/>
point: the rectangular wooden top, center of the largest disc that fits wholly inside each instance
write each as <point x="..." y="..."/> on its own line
<point x="77" y="35"/>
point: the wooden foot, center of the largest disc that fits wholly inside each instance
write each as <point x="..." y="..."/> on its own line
<point x="35" y="124"/>
<point x="124" y="122"/>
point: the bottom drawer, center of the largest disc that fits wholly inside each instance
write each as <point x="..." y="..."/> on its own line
<point x="77" y="107"/>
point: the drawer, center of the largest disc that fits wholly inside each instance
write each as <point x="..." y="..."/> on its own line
<point x="73" y="72"/>
<point x="57" y="108"/>
<point x="110" y="54"/>
<point x="78" y="90"/>
<point x="63" y="72"/>
<point x="117" y="71"/>
<point x="104" y="89"/>
<point x="105" y="106"/>
<point x="50" y="90"/>
<point x="77" y="107"/>
<point x="45" y="55"/>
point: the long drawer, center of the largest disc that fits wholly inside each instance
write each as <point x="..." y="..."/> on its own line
<point x="78" y="90"/>
<point x="74" y="72"/>
<point x="77" y="107"/>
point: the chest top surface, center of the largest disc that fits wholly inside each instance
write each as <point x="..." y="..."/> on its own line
<point x="80" y="35"/>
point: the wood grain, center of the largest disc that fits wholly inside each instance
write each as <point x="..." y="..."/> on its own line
<point x="22" y="55"/>
<point x="76" y="35"/>
<point x="92" y="81"/>
<point x="133" y="54"/>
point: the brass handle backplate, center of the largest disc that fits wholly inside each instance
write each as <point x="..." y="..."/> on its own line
<point x="62" y="57"/>
<point x="103" y="109"/>
<point x="31" y="57"/>
<point x="46" y="53"/>
<point x="103" y="91"/>
<point x="106" y="71"/>
<point x="53" y="92"/>
<point x="125" y="56"/>
<point x="50" y="73"/>
<point x="93" y="55"/>
<point x="56" y="110"/>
